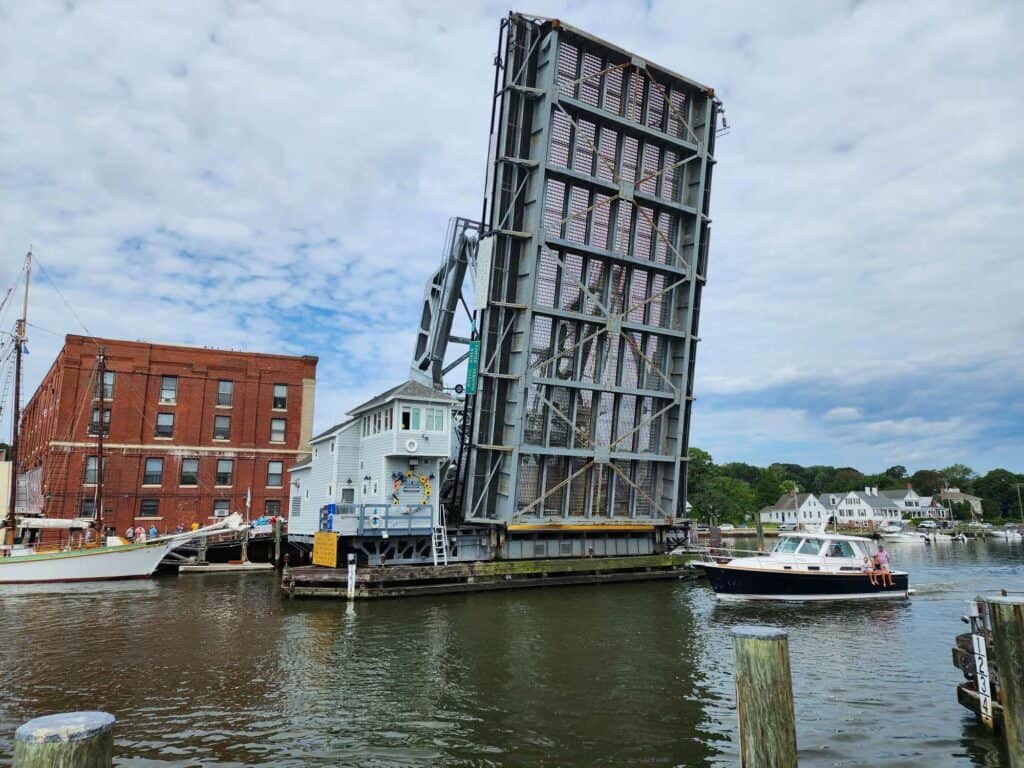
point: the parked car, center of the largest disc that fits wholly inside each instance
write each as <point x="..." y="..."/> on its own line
<point x="727" y="527"/>
<point x="928" y="524"/>
<point x="787" y="526"/>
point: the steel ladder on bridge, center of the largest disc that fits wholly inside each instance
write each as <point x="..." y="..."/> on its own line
<point x="439" y="541"/>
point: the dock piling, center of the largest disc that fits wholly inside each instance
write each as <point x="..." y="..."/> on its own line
<point x="1006" y="614"/>
<point x="68" y="739"/>
<point x="277" y="541"/>
<point x="764" y="697"/>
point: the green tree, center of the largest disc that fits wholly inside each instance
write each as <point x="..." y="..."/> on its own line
<point x="699" y="468"/>
<point x="768" y="489"/>
<point x="897" y="472"/>
<point x="959" y="476"/>
<point x="998" y="491"/>
<point x="848" y="479"/>
<point x="724" y="500"/>
<point x="926" y="482"/>
<point x="748" y="473"/>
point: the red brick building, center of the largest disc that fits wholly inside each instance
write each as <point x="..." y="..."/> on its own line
<point x="191" y="434"/>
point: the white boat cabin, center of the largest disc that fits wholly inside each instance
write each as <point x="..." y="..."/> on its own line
<point x="813" y="551"/>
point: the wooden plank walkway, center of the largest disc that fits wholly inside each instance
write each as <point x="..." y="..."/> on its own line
<point x="409" y="580"/>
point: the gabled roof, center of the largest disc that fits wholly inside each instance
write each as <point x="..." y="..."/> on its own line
<point x="409" y="390"/>
<point x="897" y="493"/>
<point x="305" y="463"/>
<point x="786" y="500"/>
<point x="330" y="431"/>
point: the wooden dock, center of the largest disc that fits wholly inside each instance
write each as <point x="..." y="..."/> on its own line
<point x="411" y="580"/>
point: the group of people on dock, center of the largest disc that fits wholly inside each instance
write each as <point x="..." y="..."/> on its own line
<point x="877" y="569"/>
<point x="139" y="534"/>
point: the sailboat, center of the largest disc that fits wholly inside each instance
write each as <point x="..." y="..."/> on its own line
<point x="86" y="557"/>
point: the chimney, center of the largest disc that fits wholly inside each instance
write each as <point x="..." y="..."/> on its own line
<point x="874" y="490"/>
<point x="867" y="490"/>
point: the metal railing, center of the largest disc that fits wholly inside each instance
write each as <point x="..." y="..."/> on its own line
<point x="378" y="519"/>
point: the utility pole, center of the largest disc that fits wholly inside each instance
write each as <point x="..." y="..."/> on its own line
<point x="1020" y="505"/>
<point x="101" y="375"/>
<point x="19" y="343"/>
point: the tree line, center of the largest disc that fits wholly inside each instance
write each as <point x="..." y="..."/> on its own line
<point x="735" y="491"/>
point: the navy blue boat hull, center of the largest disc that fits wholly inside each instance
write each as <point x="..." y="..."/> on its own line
<point x="733" y="582"/>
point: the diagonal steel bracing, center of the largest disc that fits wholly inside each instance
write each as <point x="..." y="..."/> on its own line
<point x="597" y="212"/>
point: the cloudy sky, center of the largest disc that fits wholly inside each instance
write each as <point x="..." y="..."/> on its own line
<point x="275" y="176"/>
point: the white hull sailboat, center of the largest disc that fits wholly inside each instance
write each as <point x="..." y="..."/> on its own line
<point x="26" y="565"/>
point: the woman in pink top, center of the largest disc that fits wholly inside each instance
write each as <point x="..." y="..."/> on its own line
<point x="882" y="558"/>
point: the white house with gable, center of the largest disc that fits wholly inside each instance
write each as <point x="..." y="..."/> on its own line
<point x="800" y="508"/>
<point x="866" y="509"/>
<point x="390" y="453"/>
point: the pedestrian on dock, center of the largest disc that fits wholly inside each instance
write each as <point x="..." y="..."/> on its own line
<point x="130" y="534"/>
<point x="153" y="533"/>
<point x="140" y="534"/>
<point x="882" y="558"/>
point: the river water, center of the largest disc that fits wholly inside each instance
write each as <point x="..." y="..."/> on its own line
<point x="222" y="670"/>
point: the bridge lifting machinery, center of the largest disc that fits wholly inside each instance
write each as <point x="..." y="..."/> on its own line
<point x="586" y="266"/>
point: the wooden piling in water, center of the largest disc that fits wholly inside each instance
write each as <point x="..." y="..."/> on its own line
<point x="68" y="740"/>
<point x="764" y="698"/>
<point x="1006" y="614"/>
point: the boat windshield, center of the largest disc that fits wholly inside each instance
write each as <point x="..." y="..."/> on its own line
<point x="811" y="547"/>
<point x="788" y="545"/>
<point x="840" y="549"/>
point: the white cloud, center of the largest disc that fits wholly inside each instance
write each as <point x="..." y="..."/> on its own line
<point x="842" y="413"/>
<point x="272" y="177"/>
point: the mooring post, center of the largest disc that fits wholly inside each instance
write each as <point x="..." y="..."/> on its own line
<point x="350" y="591"/>
<point x="69" y="740"/>
<point x="277" y="541"/>
<point x="760" y="533"/>
<point x="764" y="698"/>
<point x="1006" y="615"/>
<point x="245" y="546"/>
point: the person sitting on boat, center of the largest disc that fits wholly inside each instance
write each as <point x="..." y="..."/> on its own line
<point x="882" y="558"/>
<point x="869" y="569"/>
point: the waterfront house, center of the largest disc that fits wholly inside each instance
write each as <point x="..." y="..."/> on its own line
<point x="799" y="508"/>
<point x="956" y="496"/>
<point x="391" y="452"/>
<point x="866" y="509"/>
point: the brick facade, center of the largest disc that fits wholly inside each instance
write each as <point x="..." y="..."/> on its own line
<point x="149" y="421"/>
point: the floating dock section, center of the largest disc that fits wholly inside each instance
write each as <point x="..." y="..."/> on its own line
<point x="410" y="580"/>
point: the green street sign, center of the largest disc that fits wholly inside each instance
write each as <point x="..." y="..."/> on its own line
<point x="472" y="367"/>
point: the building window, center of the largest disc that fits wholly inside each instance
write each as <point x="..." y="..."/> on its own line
<point x="434" y="419"/>
<point x="168" y="389"/>
<point x="225" y="471"/>
<point x="277" y="427"/>
<point x="108" y="386"/>
<point x="149" y="508"/>
<point x="94" y="422"/>
<point x="221" y="427"/>
<point x="88" y="508"/>
<point x="331" y="446"/>
<point x="273" y="508"/>
<point x="225" y="391"/>
<point x="389" y="418"/>
<point x="221" y="508"/>
<point x="189" y="472"/>
<point x="280" y="397"/>
<point x="165" y="425"/>
<point x="275" y="473"/>
<point x="410" y="417"/>
<point x="91" y="463"/>
<point x="348" y="495"/>
<point x="154" y="472"/>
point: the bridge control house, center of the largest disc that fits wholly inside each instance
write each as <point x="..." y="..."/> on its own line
<point x="378" y="475"/>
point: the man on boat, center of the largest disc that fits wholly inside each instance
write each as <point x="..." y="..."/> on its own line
<point x="882" y="558"/>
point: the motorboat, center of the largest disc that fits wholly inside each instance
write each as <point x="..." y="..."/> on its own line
<point x="895" y="533"/>
<point x="803" y="567"/>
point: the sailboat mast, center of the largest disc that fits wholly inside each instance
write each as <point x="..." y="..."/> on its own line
<point x="101" y="375"/>
<point x="19" y="343"/>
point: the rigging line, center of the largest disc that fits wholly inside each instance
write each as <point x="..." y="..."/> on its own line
<point x="67" y="303"/>
<point x="40" y="328"/>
